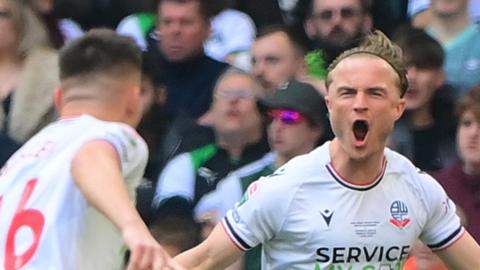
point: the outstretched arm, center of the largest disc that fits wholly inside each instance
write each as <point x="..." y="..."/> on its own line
<point x="97" y="173"/>
<point x="216" y="252"/>
<point x="463" y="254"/>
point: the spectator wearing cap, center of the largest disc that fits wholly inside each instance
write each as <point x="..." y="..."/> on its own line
<point x="297" y="124"/>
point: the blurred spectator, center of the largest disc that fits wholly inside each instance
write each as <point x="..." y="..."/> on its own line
<point x="230" y="40"/>
<point x="460" y="37"/>
<point x="297" y="124"/>
<point x="421" y="14"/>
<point x="263" y="13"/>
<point x="426" y="131"/>
<point x="239" y="140"/>
<point x="154" y="123"/>
<point x="177" y="45"/>
<point x="462" y="180"/>
<point x="388" y="15"/>
<point x="277" y="56"/>
<point x="28" y="72"/>
<point x="59" y="30"/>
<point x="334" y="26"/>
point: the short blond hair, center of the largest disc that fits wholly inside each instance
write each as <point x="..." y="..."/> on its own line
<point x="377" y="44"/>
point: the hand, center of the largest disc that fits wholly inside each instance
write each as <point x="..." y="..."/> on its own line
<point x="145" y="252"/>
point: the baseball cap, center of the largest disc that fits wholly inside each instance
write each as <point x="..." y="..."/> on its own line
<point x="298" y="96"/>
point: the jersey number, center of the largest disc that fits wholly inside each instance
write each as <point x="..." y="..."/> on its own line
<point x="23" y="217"/>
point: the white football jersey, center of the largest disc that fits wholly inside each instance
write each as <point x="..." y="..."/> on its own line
<point x="45" y="221"/>
<point x="309" y="217"/>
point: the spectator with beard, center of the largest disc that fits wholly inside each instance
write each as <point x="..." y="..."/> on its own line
<point x="335" y="26"/>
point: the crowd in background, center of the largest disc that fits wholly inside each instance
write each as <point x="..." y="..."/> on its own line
<point x="232" y="90"/>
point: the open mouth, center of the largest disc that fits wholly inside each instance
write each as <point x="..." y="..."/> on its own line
<point x="360" y="130"/>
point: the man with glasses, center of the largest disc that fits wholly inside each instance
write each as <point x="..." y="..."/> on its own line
<point x="239" y="140"/>
<point x="337" y="25"/>
<point x="297" y="124"/>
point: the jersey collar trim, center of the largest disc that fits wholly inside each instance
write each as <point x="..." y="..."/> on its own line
<point x="348" y="184"/>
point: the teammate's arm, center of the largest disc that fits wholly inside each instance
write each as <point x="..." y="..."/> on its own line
<point x="463" y="254"/>
<point x="96" y="171"/>
<point x="216" y="252"/>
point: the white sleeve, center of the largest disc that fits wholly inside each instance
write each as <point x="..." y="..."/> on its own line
<point x="443" y="225"/>
<point x="176" y="179"/>
<point x="241" y="34"/>
<point x="131" y="148"/>
<point x="261" y="212"/>
<point x="223" y="198"/>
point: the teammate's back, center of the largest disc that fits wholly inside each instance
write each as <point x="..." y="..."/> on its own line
<point x="66" y="195"/>
<point x="64" y="227"/>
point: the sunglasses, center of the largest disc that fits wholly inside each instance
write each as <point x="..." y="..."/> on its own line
<point x="345" y="13"/>
<point x="286" y="116"/>
<point x="235" y="93"/>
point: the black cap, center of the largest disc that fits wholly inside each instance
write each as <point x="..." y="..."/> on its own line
<point x="301" y="97"/>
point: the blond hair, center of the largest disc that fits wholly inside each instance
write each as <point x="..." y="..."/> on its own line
<point x="377" y="44"/>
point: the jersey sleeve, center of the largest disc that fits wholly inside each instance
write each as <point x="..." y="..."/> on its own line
<point x="443" y="224"/>
<point x="260" y="214"/>
<point x="221" y="199"/>
<point x="131" y="148"/>
<point x="176" y="179"/>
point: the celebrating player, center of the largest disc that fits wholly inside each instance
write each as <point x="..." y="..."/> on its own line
<point x="66" y="195"/>
<point x="351" y="203"/>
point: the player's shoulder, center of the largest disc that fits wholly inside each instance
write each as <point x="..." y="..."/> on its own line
<point x="403" y="169"/>
<point x="309" y="163"/>
<point x="116" y="130"/>
<point x="302" y="168"/>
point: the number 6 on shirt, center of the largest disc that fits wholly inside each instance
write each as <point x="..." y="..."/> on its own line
<point x="31" y="218"/>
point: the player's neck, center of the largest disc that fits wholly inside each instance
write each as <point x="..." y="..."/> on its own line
<point x="357" y="171"/>
<point x="75" y="110"/>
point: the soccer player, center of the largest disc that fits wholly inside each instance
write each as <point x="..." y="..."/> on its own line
<point x="351" y="203"/>
<point x="66" y="195"/>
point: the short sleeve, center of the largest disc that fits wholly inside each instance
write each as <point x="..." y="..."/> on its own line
<point x="131" y="148"/>
<point x="176" y="179"/>
<point x="260" y="214"/>
<point x="223" y="198"/>
<point x="443" y="224"/>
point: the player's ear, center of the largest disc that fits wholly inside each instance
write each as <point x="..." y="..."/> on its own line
<point x="134" y="108"/>
<point x="400" y="108"/>
<point x="58" y="99"/>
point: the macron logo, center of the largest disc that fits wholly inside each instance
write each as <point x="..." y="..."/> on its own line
<point x="327" y="216"/>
